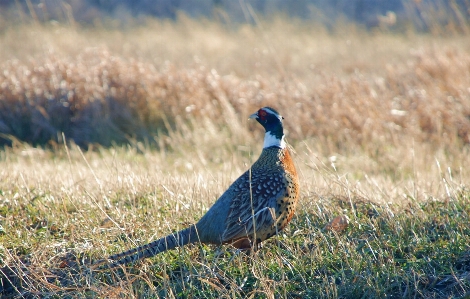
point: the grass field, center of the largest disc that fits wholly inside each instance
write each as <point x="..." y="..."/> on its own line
<point x="141" y="129"/>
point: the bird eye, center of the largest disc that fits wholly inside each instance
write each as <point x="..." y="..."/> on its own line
<point x="262" y="114"/>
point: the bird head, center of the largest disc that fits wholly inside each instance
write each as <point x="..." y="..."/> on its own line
<point x="271" y="120"/>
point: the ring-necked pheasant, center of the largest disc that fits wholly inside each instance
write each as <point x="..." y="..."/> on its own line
<point x="259" y="204"/>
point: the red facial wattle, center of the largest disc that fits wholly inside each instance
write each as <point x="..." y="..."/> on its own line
<point x="262" y="114"/>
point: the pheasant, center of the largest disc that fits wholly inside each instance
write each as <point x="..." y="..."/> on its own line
<point x="259" y="204"/>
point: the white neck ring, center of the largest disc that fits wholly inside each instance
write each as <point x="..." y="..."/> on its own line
<point x="271" y="140"/>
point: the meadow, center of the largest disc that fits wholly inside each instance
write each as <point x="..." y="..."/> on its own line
<point x="113" y="137"/>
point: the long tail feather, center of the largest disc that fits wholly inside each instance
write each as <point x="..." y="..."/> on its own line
<point x="178" y="239"/>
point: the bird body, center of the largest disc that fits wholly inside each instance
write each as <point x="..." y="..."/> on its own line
<point x="258" y="205"/>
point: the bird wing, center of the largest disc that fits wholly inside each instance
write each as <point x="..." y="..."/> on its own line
<point x="255" y="210"/>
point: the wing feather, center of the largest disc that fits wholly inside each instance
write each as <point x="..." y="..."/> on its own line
<point x="255" y="209"/>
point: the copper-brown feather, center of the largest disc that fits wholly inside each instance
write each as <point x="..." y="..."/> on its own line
<point x="258" y="205"/>
<point x="271" y="202"/>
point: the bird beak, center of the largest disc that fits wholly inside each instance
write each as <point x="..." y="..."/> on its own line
<point x="254" y="115"/>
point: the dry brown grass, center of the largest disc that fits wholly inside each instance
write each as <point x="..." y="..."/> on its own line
<point x="348" y="89"/>
<point x="380" y="124"/>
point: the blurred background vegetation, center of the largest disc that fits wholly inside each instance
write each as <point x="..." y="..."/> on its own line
<point x="422" y="15"/>
<point x="354" y="73"/>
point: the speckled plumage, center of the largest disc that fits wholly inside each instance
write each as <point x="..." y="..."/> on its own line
<point x="258" y="205"/>
<point x="274" y="190"/>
